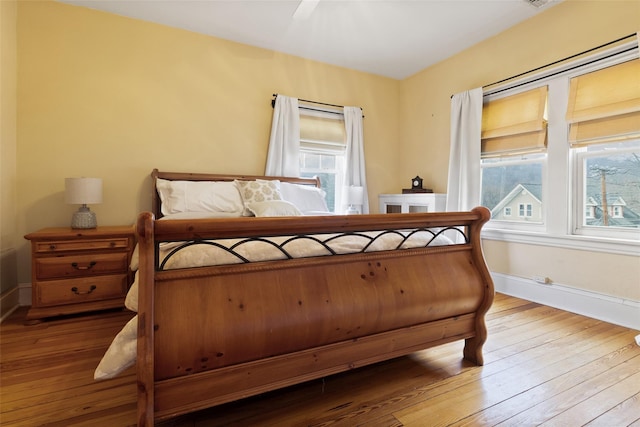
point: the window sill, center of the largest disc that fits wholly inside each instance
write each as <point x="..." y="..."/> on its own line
<point x="593" y="244"/>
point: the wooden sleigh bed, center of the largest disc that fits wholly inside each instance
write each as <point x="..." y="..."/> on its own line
<point x="208" y="335"/>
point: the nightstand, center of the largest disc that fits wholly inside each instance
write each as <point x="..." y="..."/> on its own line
<point x="78" y="270"/>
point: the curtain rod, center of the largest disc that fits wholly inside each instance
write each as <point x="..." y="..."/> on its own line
<point x="557" y="62"/>
<point x="275" y="95"/>
<point x="563" y="60"/>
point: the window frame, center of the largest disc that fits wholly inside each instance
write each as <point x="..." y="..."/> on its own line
<point x="329" y="148"/>
<point x="340" y="160"/>
<point x="518" y="224"/>
<point x="579" y="157"/>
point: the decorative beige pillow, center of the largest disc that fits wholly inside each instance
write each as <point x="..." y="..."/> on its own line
<point x="273" y="208"/>
<point x="259" y="190"/>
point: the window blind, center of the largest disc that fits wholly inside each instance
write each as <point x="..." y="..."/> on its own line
<point x="604" y="105"/>
<point x="322" y="132"/>
<point x="515" y="124"/>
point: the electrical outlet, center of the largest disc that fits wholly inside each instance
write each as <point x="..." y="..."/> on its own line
<point x="541" y="279"/>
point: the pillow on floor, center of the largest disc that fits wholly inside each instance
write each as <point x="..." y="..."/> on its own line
<point x="121" y="354"/>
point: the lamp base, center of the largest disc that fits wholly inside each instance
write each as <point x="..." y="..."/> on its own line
<point x="351" y="210"/>
<point x="84" y="218"/>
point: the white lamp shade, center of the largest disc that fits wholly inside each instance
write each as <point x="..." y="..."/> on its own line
<point x="83" y="191"/>
<point x="355" y="195"/>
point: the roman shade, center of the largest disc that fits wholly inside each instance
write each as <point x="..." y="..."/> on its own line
<point x="604" y="105"/>
<point x="321" y="129"/>
<point x="515" y="124"/>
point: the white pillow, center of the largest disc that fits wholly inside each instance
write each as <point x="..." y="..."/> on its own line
<point x="259" y="190"/>
<point x="273" y="208"/>
<point x="121" y="354"/>
<point x="202" y="215"/>
<point x="198" y="196"/>
<point x="307" y="198"/>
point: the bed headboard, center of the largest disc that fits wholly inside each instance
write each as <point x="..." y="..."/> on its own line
<point x="185" y="176"/>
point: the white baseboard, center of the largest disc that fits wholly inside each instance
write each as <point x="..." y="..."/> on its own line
<point x="603" y="307"/>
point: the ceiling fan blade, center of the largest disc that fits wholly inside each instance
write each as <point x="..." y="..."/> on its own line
<point x="305" y="9"/>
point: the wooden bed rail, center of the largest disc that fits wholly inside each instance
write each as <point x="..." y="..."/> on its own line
<point x="178" y="230"/>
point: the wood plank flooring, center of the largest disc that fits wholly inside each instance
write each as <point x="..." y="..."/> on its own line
<point x="543" y="367"/>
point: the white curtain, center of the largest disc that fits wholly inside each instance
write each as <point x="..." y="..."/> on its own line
<point x="355" y="173"/>
<point x="463" y="188"/>
<point x="283" y="158"/>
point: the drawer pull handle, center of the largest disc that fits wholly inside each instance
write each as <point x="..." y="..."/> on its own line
<point x="91" y="289"/>
<point x="52" y="247"/>
<point x="88" y="267"/>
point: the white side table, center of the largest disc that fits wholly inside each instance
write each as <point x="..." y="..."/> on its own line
<point x="413" y="202"/>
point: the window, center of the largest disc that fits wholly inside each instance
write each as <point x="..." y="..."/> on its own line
<point x="525" y="210"/>
<point x="328" y="167"/>
<point x="608" y="187"/>
<point x="604" y="135"/>
<point x="508" y="183"/>
<point x="514" y="138"/>
<point x="568" y="159"/>
<point x="322" y="152"/>
<point x="617" y="212"/>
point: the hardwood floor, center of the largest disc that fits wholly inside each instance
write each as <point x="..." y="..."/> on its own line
<point x="543" y="366"/>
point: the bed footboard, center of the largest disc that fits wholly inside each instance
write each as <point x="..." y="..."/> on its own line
<point x="210" y="335"/>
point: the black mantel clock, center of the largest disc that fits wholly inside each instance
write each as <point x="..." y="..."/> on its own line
<point x="416" y="187"/>
<point x="416" y="183"/>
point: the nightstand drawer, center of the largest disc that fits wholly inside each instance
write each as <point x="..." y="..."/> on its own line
<point x="81" y="265"/>
<point x="54" y="292"/>
<point x="81" y="245"/>
<point x="79" y="270"/>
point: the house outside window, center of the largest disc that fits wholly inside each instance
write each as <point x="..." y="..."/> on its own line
<point x="590" y="209"/>
<point x="584" y="178"/>
<point x="507" y="211"/>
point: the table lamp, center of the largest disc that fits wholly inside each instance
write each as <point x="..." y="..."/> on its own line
<point x="355" y="197"/>
<point x="83" y="191"/>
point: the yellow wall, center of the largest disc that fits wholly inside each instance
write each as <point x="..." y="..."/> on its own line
<point x="605" y="273"/>
<point x="106" y="96"/>
<point x="563" y="30"/>
<point x="9" y="238"/>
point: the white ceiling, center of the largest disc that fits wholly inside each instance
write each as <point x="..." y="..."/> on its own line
<point x="392" y="38"/>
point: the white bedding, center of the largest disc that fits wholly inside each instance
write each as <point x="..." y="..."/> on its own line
<point x="201" y="255"/>
<point x="122" y="352"/>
